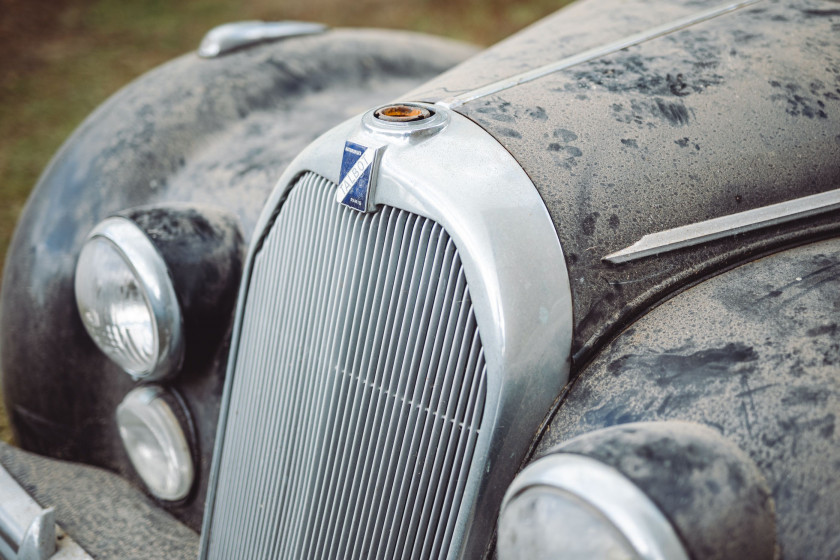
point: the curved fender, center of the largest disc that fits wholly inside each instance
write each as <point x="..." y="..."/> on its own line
<point x="211" y="133"/>
<point x="753" y="354"/>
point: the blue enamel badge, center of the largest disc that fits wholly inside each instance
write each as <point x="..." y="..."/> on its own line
<point x="358" y="176"/>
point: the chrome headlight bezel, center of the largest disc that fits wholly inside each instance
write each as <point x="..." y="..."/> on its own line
<point x="152" y="277"/>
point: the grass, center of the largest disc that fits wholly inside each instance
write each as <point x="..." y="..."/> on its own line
<point x="63" y="58"/>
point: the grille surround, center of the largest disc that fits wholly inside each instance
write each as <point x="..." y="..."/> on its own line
<point x="516" y="272"/>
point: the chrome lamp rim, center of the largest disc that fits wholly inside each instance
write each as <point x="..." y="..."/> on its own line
<point x="151" y="272"/>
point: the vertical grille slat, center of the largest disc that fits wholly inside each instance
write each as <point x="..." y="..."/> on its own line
<point x="474" y="407"/>
<point x="358" y="389"/>
<point x="449" y="424"/>
<point x="294" y="402"/>
<point x="396" y="385"/>
<point x="348" y="434"/>
<point x="349" y="534"/>
<point x="282" y="388"/>
<point x="416" y="408"/>
<point x="279" y="388"/>
<point x="329" y="384"/>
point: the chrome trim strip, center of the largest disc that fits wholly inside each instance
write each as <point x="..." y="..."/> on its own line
<point x="612" y="494"/>
<point x="716" y="228"/>
<point x="151" y="271"/>
<point x="593" y="53"/>
<point x="462" y="178"/>
<point x="29" y="532"/>
<point x="231" y="36"/>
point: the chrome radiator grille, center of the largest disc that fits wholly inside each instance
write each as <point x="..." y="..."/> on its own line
<point x="358" y="389"/>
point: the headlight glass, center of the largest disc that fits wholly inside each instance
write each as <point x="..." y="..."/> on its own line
<point x="113" y="307"/>
<point x="127" y="302"/>
<point x="530" y="529"/>
<point x="155" y="443"/>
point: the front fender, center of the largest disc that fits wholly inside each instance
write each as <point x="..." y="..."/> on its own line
<point x="210" y="133"/>
<point x="753" y="354"/>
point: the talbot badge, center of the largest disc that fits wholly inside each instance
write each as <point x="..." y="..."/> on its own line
<point x="358" y="176"/>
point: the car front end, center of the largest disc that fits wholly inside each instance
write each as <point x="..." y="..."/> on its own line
<point x="573" y="296"/>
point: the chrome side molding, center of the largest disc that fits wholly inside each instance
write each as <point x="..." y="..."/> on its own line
<point x="716" y="228"/>
<point x="242" y="34"/>
<point x="594" y="53"/>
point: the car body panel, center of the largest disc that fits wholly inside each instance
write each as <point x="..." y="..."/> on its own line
<point x="205" y="132"/>
<point x="732" y="108"/>
<point x="730" y="114"/>
<point x="752" y="353"/>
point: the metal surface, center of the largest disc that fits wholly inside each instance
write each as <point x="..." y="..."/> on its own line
<point x="232" y="36"/>
<point x="594" y="53"/>
<point x="753" y="355"/>
<point x="402" y="113"/>
<point x="716" y="228"/>
<point x="611" y="494"/>
<point x="151" y="273"/>
<point x="214" y="133"/>
<point x="27" y="531"/>
<point x="361" y="389"/>
<point x="735" y="113"/>
<point x="363" y="153"/>
<point x="509" y="252"/>
<point x="402" y="131"/>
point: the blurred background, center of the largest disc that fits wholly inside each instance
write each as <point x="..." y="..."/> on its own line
<point x="60" y="59"/>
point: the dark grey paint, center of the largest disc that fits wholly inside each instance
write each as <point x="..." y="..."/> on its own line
<point x="728" y="115"/>
<point x="755" y="355"/>
<point x="203" y="250"/>
<point x="713" y="494"/>
<point x="578" y="27"/>
<point x="211" y="133"/>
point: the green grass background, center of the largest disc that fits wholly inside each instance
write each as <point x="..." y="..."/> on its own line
<point x="59" y="59"/>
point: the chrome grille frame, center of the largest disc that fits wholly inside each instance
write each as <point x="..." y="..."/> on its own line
<point x="461" y="178"/>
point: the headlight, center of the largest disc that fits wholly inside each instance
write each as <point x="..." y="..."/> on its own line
<point x="126" y="300"/>
<point x="155" y="443"/>
<point x="646" y="490"/>
<point x="530" y="528"/>
<point x="571" y="506"/>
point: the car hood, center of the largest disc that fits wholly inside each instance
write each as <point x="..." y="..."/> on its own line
<point x="662" y="115"/>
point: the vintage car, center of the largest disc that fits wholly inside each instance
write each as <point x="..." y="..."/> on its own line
<point x="316" y="293"/>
